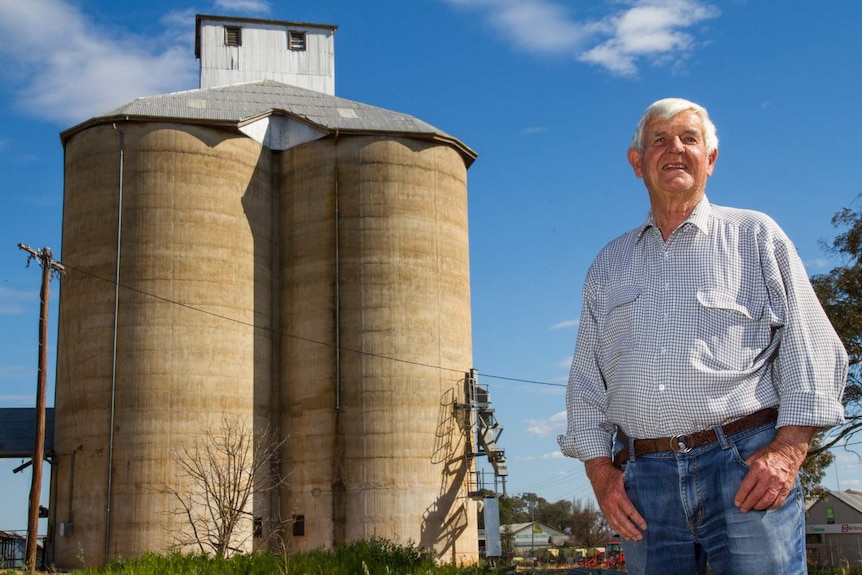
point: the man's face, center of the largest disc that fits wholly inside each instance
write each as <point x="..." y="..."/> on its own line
<point x="674" y="163"/>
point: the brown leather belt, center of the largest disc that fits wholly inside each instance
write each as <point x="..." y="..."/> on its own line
<point x="684" y="443"/>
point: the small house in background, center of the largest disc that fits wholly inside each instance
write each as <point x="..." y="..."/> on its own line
<point x="13" y="550"/>
<point x="833" y="529"/>
<point x="530" y="537"/>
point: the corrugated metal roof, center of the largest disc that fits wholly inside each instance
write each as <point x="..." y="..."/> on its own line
<point x="18" y="431"/>
<point x="851" y="497"/>
<point x="241" y="103"/>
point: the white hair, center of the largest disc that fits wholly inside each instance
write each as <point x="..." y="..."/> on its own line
<point x="668" y="108"/>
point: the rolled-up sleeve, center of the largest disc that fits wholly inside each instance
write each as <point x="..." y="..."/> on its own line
<point x="656" y="361"/>
<point x="810" y="368"/>
<point x="588" y="433"/>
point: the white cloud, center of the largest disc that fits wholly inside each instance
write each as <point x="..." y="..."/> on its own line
<point x="567" y="324"/>
<point x="534" y="130"/>
<point x="844" y="473"/>
<point x="547" y="427"/>
<point x="17" y="400"/>
<point x="545" y="457"/>
<point x="650" y="29"/>
<point x="534" y="25"/>
<point x="819" y="264"/>
<point x="16" y="372"/>
<point x="70" y="69"/>
<point x="245" y="6"/>
<point x="15" y="302"/>
<point x="521" y="20"/>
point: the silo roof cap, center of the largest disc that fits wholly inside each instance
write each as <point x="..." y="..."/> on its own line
<point x="238" y="104"/>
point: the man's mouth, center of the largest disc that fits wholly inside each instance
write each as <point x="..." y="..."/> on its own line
<point x="675" y="167"/>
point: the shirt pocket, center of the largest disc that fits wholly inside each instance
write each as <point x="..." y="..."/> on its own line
<point x="619" y="323"/>
<point x="731" y="329"/>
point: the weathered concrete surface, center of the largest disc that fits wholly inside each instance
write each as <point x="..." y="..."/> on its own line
<point x="242" y="271"/>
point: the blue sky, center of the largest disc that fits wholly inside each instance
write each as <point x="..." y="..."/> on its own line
<point x="546" y="91"/>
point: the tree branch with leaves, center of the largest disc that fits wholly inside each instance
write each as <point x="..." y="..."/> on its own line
<point x="840" y="293"/>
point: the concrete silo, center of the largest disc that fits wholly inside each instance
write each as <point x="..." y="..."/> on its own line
<point x="275" y="254"/>
<point x="181" y="349"/>
<point x="384" y="221"/>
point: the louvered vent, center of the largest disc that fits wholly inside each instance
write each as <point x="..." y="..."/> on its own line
<point x="232" y="36"/>
<point x="296" y="40"/>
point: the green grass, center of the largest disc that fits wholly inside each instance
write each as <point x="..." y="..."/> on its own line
<point x="372" y="557"/>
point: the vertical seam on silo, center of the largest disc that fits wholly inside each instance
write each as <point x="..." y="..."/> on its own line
<point x="437" y="263"/>
<point x="109" y="486"/>
<point x="337" y="292"/>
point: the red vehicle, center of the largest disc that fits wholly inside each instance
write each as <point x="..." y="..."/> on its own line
<point x="614" y="556"/>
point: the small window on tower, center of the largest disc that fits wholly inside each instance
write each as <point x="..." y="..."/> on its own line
<point x="299" y="525"/>
<point x="232" y="36"/>
<point x="258" y="527"/>
<point x="296" y="40"/>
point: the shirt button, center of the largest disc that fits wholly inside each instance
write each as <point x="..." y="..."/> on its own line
<point x="661" y="387"/>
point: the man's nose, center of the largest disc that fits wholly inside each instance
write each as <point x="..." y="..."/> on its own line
<point x="675" y="145"/>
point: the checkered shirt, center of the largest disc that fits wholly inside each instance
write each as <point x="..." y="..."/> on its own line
<point x="712" y="325"/>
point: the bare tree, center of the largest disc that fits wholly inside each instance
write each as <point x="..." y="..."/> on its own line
<point x="220" y="475"/>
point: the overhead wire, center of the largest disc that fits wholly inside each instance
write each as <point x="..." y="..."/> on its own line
<point x="306" y="339"/>
<point x="522" y="380"/>
<point x="299" y="337"/>
<point x="584" y="487"/>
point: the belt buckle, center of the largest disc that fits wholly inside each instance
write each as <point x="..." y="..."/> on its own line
<point x="677" y="443"/>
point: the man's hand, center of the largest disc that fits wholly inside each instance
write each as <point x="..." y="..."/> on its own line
<point x="773" y="470"/>
<point x="616" y="506"/>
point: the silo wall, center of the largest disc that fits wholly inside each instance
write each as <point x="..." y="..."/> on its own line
<point x="193" y="325"/>
<point x="375" y="266"/>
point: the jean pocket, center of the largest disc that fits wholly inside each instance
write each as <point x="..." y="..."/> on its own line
<point x="747" y="444"/>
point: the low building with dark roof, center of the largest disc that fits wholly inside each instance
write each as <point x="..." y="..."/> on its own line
<point x="833" y="529"/>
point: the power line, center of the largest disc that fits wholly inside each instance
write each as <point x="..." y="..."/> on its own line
<point x="522" y="380"/>
<point x="299" y="337"/>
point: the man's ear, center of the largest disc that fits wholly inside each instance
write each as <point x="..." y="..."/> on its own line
<point x="711" y="162"/>
<point x="636" y="160"/>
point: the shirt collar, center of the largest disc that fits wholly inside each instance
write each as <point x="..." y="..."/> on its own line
<point x="699" y="217"/>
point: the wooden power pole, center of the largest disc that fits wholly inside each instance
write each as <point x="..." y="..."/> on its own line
<point x="49" y="267"/>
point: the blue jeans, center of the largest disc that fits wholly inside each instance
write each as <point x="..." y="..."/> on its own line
<point x="687" y="502"/>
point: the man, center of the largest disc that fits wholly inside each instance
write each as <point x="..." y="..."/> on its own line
<point x="703" y="366"/>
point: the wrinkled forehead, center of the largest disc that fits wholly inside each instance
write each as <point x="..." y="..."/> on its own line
<point x="685" y="122"/>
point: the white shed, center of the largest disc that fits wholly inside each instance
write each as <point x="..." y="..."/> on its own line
<point x="238" y="50"/>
